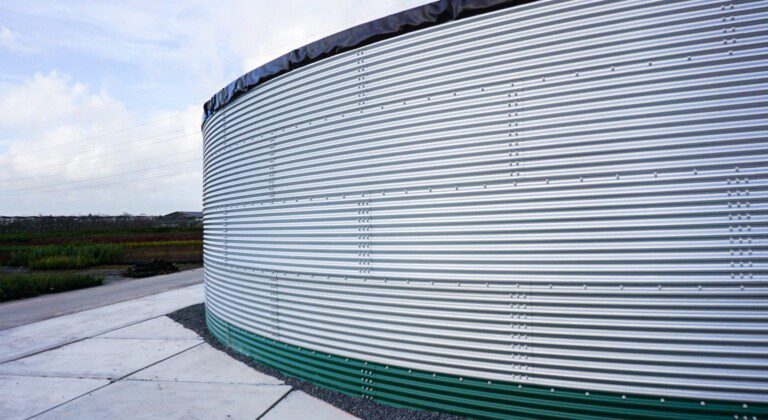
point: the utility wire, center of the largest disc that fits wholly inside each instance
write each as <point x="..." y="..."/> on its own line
<point x="117" y="151"/>
<point x="105" y="184"/>
<point x="109" y="145"/>
<point x="101" y="167"/>
<point x="103" y="135"/>
<point x="100" y="177"/>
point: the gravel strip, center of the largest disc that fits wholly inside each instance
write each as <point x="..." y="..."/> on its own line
<point x="193" y="317"/>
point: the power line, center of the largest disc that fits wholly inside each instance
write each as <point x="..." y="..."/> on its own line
<point x="105" y="184"/>
<point x="118" y="151"/>
<point x="101" y="167"/>
<point x="100" y="177"/>
<point x="111" y="145"/>
<point x="104" y="134"/>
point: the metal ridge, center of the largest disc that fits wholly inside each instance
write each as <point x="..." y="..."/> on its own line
<point x="393" y="25"/>
<point x="472" y="397"/>
<point x="571" y="195"/>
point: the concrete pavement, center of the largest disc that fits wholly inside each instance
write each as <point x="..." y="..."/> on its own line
<point x="33" y="338"/>
<point x="128" y="360"/>
<point x="26" y="311"/>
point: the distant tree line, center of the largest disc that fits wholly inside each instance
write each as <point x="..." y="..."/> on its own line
<point x="43" y="224"/>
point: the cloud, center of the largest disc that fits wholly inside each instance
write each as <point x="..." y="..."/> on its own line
<point x="123" y="65"/>
<point x="53" y="100"/>
<point x="198" y="43"/>
<point x="61" y="132"/>
<point x="11" y="40"/>
<point x="7" y="37"/>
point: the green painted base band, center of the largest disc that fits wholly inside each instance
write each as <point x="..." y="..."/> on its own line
<point x="463" y="396"/>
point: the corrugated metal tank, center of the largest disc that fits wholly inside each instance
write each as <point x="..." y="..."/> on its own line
<point x="559" y="206"/>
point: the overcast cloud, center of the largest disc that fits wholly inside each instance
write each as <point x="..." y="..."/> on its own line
<point x="103" y="94"/>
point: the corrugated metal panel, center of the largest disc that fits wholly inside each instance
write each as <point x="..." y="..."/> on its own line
<point x="568" y="194"/>
<point x="471" y="397"/>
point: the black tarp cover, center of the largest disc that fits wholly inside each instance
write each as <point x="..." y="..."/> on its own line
<point x="389" y="26"/>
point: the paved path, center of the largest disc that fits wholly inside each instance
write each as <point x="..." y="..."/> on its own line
<point x="26" y="311"/>
<point x="129" y="361"/>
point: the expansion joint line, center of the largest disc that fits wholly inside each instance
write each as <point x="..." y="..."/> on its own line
<point x="520" y="297"/>
<point x="275" y="303"/>
<point x="226" y="238"/>
<point x="271" y="168"/>
<point x="365" y="227"/>
<point x="365" y="261"/>
<point x="364" y="217"/>
<point x="737" y="190"/>
<point x="367" y="381"/>
<point x="515" y="129"/>
<point x="361" y="71"/>
<point x="739" y="226"/>
<point x="364" y="236"/>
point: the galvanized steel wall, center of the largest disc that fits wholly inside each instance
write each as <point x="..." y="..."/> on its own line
<point x="569" y="194"/>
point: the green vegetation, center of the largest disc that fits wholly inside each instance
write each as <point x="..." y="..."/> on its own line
<point x="53" y="257"/>
<point x="24" y="285"/>
<point x="89" y="237"/>
<point x="192" y="243"/>
<point x="50" y="261"/>
<point x="39" y="252"/>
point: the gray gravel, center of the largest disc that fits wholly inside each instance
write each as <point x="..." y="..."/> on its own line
<point x="193" y="317"/>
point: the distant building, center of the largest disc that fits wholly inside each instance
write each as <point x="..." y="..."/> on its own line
<point x="185" y="214"/>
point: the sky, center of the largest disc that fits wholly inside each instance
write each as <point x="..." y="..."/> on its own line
<point x="101" y="102"/>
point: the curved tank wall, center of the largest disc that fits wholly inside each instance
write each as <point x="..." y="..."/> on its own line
<point x="559" y="207"/>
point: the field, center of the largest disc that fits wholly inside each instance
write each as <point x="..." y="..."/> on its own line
<point x="48" y="262"/>
<point x="19" y="286"/>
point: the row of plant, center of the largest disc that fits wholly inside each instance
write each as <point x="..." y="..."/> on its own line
<point x="86" y="237"/>
<point x="78" y="256"/>
<point x="24" y="285"/>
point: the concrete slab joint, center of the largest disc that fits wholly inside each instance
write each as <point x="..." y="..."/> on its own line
<point x="129" y="360"/>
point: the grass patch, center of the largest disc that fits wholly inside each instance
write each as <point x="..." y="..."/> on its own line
<point x="188" y="243"/>
<point x="77" y="256"/>
<point x="91" y="237"/>
<point x="53" y="257"/>
<point x="175" y="254"/>
<point x="24" y="285"/>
